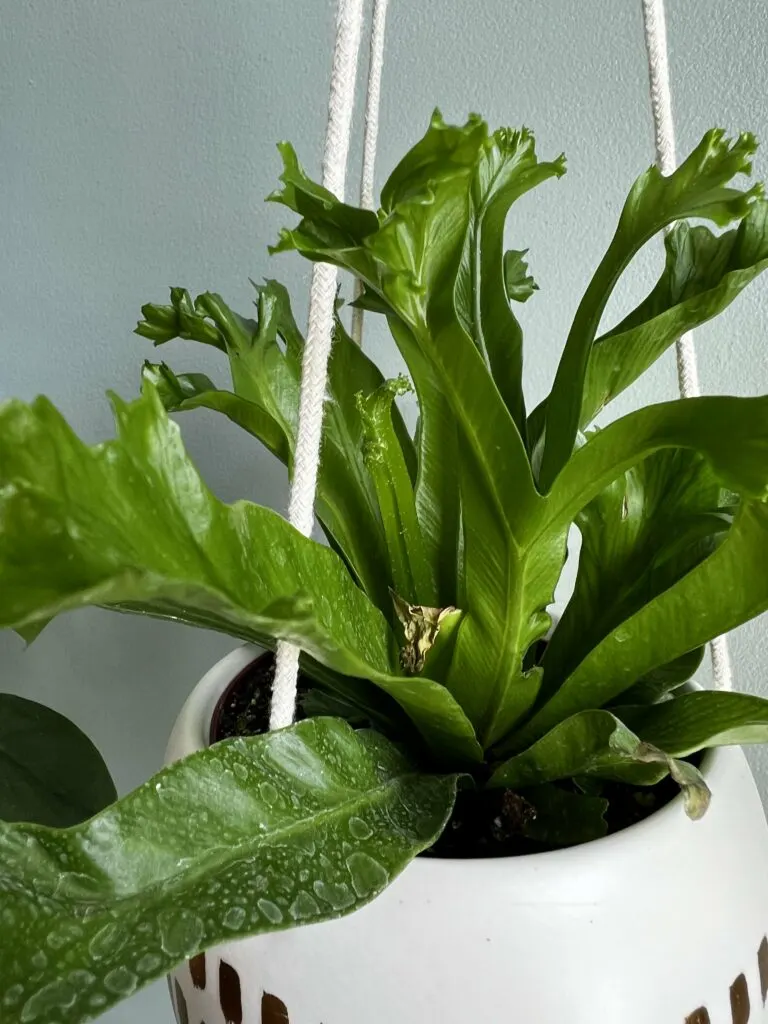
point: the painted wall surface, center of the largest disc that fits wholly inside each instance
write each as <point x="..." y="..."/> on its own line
<point x="136" y="146"/>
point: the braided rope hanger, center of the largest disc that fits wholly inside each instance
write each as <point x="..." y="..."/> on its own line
<point x="655" y="24"/>
<point x="322" y="297"/>
<point x="349" y="22"/>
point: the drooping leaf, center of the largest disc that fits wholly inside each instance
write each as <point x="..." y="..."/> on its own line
<point x="212" y="848"/>
<point x="145" y="535"/>
<point x="698" y="188"/>
<point x="597" y="744"/>
<point x="50" y="772"/>
<point x="591" y="743"/>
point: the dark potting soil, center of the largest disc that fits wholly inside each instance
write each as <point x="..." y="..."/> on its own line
<point x="492" y="822"/>
<point x="484" y="823"/>
<point x="244" y="707"/>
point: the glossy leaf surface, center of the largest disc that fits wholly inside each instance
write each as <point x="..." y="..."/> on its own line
<point x="145" y="535"/>
<point x="704" y="273"/>
<point x="265" y="378"/>
<point x="416" y="263"/>
<point x="696" y="721"/>
<point x="698" y="188"/>
<point x="597" y="744"/>
<point x="640" y="535"/>
<point x="50" y="772"/>
<point x="247" y="837"/>
<point x="726" y="589"/>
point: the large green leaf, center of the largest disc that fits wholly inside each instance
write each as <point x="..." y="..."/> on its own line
<point x="640" y="535"/>
<point x="660" y="682"/>
<point x="265" y="402"/>
<point x="726" y="589"/>
<point x="696" y="721"/>
<point x="250" y="836"/>
<point x="50" y="772"/>
<point x="505" y="169"/>
<point x="732" y="433"/>
<point x="412" y="263"/>
<point x="704" y="273"/>
<point x="130" y="525"/>
<point x="698" y="188"/>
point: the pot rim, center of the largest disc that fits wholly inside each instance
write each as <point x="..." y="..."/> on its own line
<point x="197" y="718"/>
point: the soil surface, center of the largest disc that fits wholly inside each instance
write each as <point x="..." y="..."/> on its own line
<point x="244" y="707"/>
<point x="490" y="823"/>
<point x="485" y="823"/>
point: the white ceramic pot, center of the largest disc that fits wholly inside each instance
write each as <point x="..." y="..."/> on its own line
<point x="664" y="923"/>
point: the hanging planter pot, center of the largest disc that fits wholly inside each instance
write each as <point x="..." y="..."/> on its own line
<point x="665" y="921"/>
<point x="305" y="876"/>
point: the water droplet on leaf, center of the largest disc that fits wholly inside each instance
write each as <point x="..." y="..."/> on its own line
<point x="57" y="995"/>
<point x="121" y="981"/>
<point x="180" y="932"/>
<point x="268" y="793"/>
<point x="271" y="911"/>
<point x="234" y="918"/>
<point x="64" y="935"/>
<point x="149" y="963"/>
<point x="107" y="941"/>
<point x="368" y="876"/>
<point x="338" y="895"/>
<point x="39" y="960"/>
<point x="81" y="979"/>
<point x="304" y="906"/>
<point x="360" y="829"/>
<point x="13" y="995"/>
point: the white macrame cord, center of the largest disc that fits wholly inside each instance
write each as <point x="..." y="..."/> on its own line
<point x="371" y="138"/>
<point x="322" y="298"/>
<point x="655" y="22"/>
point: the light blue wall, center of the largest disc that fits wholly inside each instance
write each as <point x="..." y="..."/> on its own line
<point x="136" y="145"/>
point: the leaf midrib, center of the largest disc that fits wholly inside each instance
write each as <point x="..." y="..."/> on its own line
<point x="220" y="854"/>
